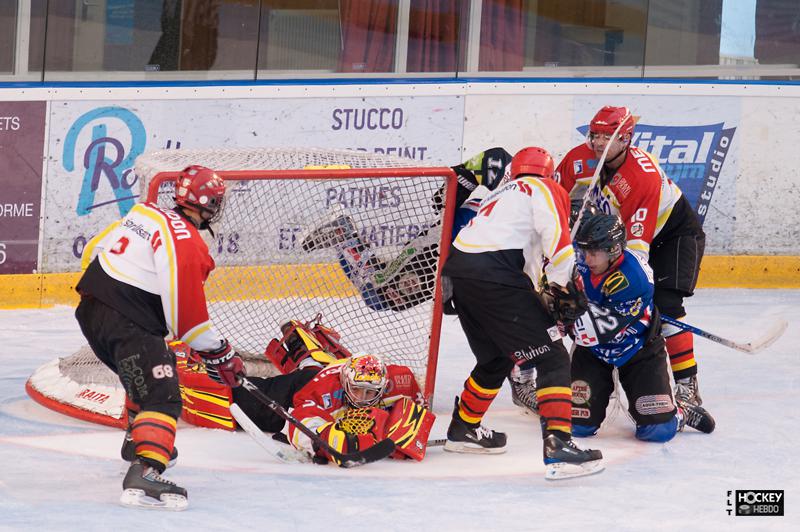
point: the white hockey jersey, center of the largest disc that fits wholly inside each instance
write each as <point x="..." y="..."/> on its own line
<point x="154" y="252"/>
<point x="521" y="228"/>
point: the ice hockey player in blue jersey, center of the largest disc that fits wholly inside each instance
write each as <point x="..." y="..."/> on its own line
<point x="621" y="330"/>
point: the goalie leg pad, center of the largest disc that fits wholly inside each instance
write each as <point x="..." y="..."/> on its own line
<point x="409" y="425"/>
<point x="206" y="403"/>
<point x="298" y="347"/>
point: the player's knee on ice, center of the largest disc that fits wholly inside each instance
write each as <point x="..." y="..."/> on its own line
<point x="658" y="432"/>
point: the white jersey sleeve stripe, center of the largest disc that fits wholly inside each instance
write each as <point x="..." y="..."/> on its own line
<point x="107" y="266"/>
<point x="193" y="333"/>
<point x="548" y="197"/>
<point x="562" y="255"/>
<point x="89" y="249"/>
<point x="166" y="236"/>
<point x="640" y="246"/>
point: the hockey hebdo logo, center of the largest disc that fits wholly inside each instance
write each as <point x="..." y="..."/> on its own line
<point x="692" y="156"/>
<point x="755" y="503"/>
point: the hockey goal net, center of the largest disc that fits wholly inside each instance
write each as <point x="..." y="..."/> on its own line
<point x="351" y="236"/>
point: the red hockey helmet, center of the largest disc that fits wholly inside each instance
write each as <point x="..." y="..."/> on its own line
<point x="609" y="118"/>
<point x="532" y="161"/>
<point x="201" y="189"/>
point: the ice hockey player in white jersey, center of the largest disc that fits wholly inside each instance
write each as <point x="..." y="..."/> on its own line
<point x="144" y="283"/>
<point x="494" y="265"/>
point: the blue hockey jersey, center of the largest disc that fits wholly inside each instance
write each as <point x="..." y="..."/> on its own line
<point x="618" y="321"/>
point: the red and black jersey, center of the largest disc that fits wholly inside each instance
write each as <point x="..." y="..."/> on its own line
<point x="639" y="192"/>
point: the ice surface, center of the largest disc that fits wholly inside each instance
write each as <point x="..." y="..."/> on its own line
<point x="57" y="473"/>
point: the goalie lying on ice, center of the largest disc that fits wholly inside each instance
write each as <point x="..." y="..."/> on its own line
<point x="354" y="402"/>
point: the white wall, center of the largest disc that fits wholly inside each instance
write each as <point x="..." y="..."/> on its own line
<point x="754" y="204"/>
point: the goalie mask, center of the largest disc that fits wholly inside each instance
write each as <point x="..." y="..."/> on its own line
<point x="201" y="189"/>
<point x="364" y="380"/>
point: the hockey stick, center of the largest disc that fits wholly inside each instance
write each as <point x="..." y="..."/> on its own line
<point x="595" y="179"/>
<point x="380" y="450"/>
<point x="284" y="453"/>
<point x="753" y="347"/>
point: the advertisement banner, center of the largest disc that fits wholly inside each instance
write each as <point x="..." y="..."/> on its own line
<point x="693" y="139"/>
<point x="93" y="146"/>
<point x="21" y="154"/>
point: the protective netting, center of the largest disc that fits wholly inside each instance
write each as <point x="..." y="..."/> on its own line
<point x="362" y="251"/>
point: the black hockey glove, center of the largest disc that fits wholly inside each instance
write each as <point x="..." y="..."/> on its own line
<point x="566" y="304"/>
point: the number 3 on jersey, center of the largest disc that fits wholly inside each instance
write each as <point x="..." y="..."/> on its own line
<point x="119" y="246"/>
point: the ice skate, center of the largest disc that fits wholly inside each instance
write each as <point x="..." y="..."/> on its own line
<point x="564" y="459"/>
<point x="463" y="438"/>
<point x="688" y="391"/>
<point x="330" y="234"/>
<point x="143" y="487"/>
<point x="523" y="395"/>
<point x="697" y="417"/>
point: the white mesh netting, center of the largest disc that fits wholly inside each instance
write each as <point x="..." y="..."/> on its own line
<point x="361" y="251"/>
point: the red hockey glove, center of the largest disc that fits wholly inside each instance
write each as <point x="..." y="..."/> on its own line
<point x="224" y="365"/>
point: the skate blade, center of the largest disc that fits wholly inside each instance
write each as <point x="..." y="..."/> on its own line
<point x="563" y="470"/>
<point x="471" y="448"/>
<point x="134" y="498"/>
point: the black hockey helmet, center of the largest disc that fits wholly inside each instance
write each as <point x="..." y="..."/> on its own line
<point x="602" y="231"/>
<point x="575" y="205"/>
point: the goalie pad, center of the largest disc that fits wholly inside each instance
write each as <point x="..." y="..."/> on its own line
<point x="302" y="345"/>
<point x="206" y="403"/>
<point x="409" y="426"/>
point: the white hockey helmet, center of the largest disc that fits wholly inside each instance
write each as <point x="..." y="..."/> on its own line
<point x="364" y="379"/>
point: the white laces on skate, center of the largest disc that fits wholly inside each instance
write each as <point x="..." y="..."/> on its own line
<point x="483" y="433"/>
<point x="152" y="475"/>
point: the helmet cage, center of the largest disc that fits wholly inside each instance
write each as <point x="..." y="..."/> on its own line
<point x="364" y="379"/>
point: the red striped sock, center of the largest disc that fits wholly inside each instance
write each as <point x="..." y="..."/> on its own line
<point x="555" y="407"/>
<point x="681" y="354"/>
<point x="154" y="435"/>
<point x="475" y="401"/>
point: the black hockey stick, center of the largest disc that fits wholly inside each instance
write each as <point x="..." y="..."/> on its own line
<point x="751" y="348"/>
<point x="379" y="451"/>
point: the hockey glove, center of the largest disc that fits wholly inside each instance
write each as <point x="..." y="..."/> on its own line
<point x="224" y="365"/>
<point x="566" y="303"/>
<point x="358" y="429"/>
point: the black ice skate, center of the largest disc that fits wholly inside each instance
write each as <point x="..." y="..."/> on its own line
<point x="688" y="391"/>
<point x="464" y="438"/>
<point x="128" y="450"/>
<point x="143" y="487"/>
<point x="564" y="459"/>
<point x="696" y="417"/>
<point x="330" y="234"/>
<point x="523" y="395"/>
